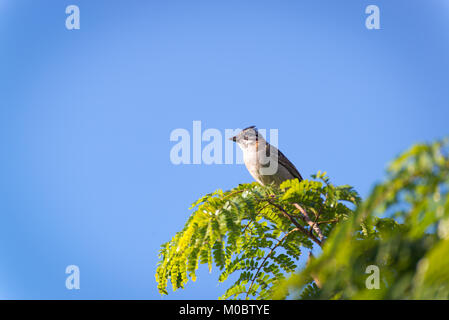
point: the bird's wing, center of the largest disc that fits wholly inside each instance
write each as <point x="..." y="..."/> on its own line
<point x="283" y="161"/>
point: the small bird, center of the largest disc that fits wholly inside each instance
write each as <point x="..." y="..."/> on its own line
<point x="266" y="164"/>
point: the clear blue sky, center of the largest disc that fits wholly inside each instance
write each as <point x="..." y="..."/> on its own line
<point x="86" y="115"/>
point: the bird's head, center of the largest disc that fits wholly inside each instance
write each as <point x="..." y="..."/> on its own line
<point x="247" y="137"/>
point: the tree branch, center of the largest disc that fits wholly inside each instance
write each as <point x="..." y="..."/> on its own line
<point x="328" y="221"/>
<point x="312" y="225"/>
<point x="292" y="220"/>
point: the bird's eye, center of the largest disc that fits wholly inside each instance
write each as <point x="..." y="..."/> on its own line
<point x="246" y="137"/>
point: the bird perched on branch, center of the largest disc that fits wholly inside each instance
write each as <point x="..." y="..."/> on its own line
<point x="264" y="162"/>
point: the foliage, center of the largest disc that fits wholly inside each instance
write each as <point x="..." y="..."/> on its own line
<point x="410" y="245"/>
<point x="257" y="234"/>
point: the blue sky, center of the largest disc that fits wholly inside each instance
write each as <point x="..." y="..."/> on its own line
<point x="86" y="116"/>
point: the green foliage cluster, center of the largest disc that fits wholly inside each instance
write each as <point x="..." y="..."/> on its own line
<point x="255" y="232"/>
<point x="409" y="245"/>
<point x="258" y="233"/>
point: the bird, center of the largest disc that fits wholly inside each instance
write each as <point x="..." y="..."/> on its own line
<point x="266" y="164"/>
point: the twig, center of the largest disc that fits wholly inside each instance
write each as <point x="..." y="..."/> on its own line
<point x="296" y="223"/>
<point x="232" y="194"/>
<point x="328" y="221"/>
<point x="312" y="225"/>
<point x="317" y="216"/>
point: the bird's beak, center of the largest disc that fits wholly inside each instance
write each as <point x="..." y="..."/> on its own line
<point x="233" y="139"/>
